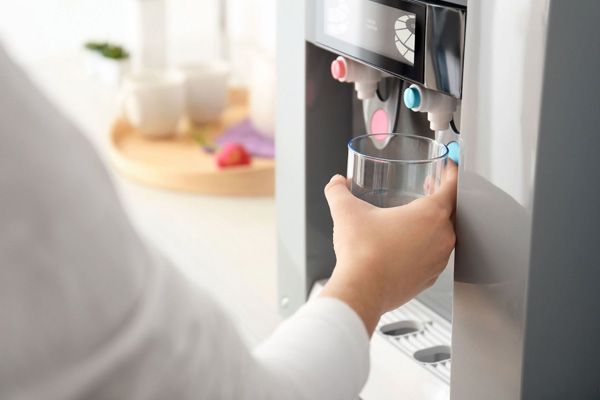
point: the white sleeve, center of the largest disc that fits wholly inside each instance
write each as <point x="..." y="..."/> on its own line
<point x="322" y="352"/>
<point x="87" y="312"/>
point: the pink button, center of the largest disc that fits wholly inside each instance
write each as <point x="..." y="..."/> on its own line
<point x="338" y="69"/>
<point x="380" y="123"/>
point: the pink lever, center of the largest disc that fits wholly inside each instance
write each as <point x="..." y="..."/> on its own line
<point x="365" y="78"/>
<point x="380" y="123"/>
<point x="338" y="69"/>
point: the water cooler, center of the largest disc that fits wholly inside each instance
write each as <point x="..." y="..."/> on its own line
<point x="516" y="315"/>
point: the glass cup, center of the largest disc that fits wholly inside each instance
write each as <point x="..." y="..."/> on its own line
<point x="389" y="169"/>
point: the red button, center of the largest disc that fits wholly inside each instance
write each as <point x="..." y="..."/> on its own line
<point x="338" y="69"/>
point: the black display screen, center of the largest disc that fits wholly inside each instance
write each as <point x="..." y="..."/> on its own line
<point x="388" y="34"/>
<point x="366" y="23"/>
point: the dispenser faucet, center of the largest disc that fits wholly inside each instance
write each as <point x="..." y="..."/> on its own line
<point x="438" y="106"/>
<point x="365" y="78"/>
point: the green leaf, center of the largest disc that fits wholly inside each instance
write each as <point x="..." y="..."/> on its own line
<point x="108" y="50"/>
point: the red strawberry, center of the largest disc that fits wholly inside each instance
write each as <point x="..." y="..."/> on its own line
<point x="231" y="155"/>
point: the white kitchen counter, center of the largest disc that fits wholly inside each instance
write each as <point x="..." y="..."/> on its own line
<point x="226" y="245"/>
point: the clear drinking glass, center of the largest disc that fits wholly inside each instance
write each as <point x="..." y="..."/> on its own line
<point x="390" y="169"/>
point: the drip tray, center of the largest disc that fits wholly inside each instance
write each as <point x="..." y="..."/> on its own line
<point x="421" y="334"/>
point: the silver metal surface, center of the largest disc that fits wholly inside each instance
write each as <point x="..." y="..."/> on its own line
<point x="444" y="49"/>
<point x="564" y="270"/>
<point x="499" y="140"/>
<point x="526" y="305"/>
<point x="290" y="128"/>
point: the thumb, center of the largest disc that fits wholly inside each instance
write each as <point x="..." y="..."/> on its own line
<point x="445" y="196"/>
<point x="338" y="195"/>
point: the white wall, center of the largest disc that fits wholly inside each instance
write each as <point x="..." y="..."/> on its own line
<point x="35" y="29"/>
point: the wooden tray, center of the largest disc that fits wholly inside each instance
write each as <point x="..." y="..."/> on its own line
<point x="180" y="163"/>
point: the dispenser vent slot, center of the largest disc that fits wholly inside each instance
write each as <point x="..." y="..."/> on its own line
<point x="433" y="355"/>
<point x="401" y="328"/>
<point x="422" y="335"/>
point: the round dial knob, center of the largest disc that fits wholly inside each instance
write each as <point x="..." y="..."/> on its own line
<point x="412" y="98"/>
<point x="338" y="69"/>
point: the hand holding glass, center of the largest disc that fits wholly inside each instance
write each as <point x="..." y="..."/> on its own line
<point x="389" y="170"/>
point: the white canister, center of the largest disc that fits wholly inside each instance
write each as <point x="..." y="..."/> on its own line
<point x="207" y="87"/>
<point x="154" y="102"/>
<point x="262" y="85"/>
<point x="150" y="50"/>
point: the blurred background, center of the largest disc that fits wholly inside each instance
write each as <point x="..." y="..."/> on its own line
<point x="216" y="219"/>
<point x="193" y="27"/>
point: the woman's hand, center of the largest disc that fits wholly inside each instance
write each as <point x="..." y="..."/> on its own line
<point x="386" y="256"/>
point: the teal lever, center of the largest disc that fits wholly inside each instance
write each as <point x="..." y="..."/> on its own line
<point x="454" y="152"/>
<point x="412" y="98"/>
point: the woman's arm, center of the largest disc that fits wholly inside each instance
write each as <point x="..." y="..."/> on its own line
<point x="88" y="312"/>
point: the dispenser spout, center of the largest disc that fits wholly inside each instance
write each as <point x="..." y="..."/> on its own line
<point x="365" y="78"/>
<point x="438" y="106"/>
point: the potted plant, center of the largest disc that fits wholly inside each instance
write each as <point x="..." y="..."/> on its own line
<point x="106" y="61"/>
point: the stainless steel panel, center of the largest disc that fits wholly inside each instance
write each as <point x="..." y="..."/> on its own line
<point x="290" y="144"/>
<point x="562" y="330"/>
<point x="500" y="114"/>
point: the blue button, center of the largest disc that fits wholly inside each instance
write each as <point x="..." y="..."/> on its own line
<point x="412" y="97"/>
<point x="454" y="152"/>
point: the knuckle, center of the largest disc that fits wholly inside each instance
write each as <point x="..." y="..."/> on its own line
<point x="451" y="240"/>
<point x="447" y="246"/>
<point x="432" y="282"/>
<point x="441" y="267"/>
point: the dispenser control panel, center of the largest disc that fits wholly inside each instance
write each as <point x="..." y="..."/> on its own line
<point x="421" y="41"/>
<point x="373" y="26"/>
<point x="389" y="34"/>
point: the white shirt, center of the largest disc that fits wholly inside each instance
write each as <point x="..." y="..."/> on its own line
<point x="87" y="311"/>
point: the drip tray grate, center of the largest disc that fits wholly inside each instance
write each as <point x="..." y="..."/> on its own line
<point x="421" y="334"/>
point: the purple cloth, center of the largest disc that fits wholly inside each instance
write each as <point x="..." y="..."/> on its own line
<point x="247" y="135"/>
